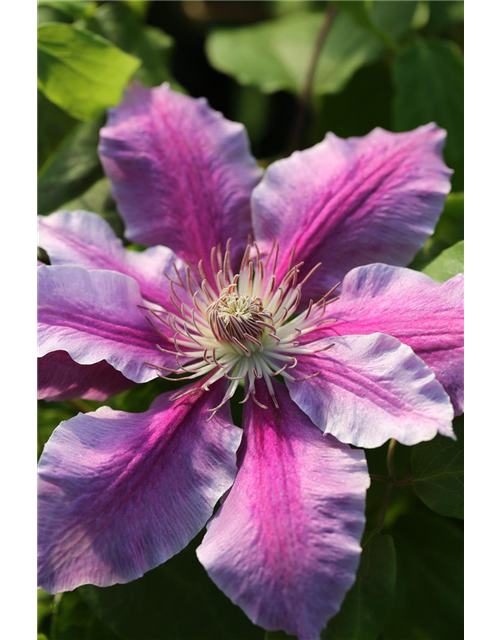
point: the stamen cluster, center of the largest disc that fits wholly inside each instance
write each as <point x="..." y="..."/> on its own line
<point x="235" y="318"/>
<point x="240" y="326"/>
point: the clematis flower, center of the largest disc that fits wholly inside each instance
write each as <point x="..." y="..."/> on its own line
<point x="250" y="299"/>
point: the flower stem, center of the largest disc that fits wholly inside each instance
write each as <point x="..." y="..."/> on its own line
<point x="390" y="458"/>
<point x="376" y="476"/>
<point x="305" y="95"/>
<point x="385" y="504"/>
<point x="388" y="490"/>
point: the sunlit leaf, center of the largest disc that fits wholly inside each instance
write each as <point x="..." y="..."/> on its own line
<point x="448" y="264"/>
<point x="279" y="8"/>
<point x="449" y="231"/>
<point x="117" y="22"/>
<point x="139" y="7"/>
<point x="275" y="55"/>
<point x="79" y="71"/>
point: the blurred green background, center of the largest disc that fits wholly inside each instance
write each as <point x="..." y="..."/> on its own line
<point x="391" y="64"/>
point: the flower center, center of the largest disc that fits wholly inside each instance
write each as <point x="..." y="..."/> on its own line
<point x="237" y="319"/>
<point x="240" y="327"/>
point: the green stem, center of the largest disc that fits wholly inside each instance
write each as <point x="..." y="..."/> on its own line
<point x="390" y="458"/>
<point x="305" y="94"/>
<point x="388" y="490"/>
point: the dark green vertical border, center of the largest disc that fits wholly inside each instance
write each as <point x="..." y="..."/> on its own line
<point x="482" y="161"/>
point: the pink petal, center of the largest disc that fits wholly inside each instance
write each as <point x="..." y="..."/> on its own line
<point x="182" y="174"/>
<point x="120" y="493"/>
<point x="61" y="378"/>
<point x="285" y="544"/>
<point x="350" y="202"/>
<point x="84" y="239"/>
<point x="94" y="316"/>
<point x="371" y="388"/>
<point x="427" y="316"/>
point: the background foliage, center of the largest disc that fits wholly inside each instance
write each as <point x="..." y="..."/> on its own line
<point x="391" y="64"/>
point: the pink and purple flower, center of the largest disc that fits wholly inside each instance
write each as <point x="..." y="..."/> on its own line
<point x="251" y="297"/>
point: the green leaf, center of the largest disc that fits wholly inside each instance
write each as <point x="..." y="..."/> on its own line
<point x="449" y="231"/>
<point x="454" y="207"/>
<point x="61" y="11"/>
<point x="49" y="417"/>
<point x="428" y="603"/>
<point x="275" y="55"/>
<point x="45" y="603"/>
<point x="45" y="15"/>
<point x="136" y="400"/>
<point x="448" y="264"/>
<point x="117" y="22"/>
<point x="79" y="71"/>
<point x="366" y="607"/>
<point x="360" y="11"/>
<point x="139" y="7"/>
<point x="279" y="8"/>
<point x="429" y="87"/>
<point x="278" y="635"/>
<point x="421" y="16"/>
<point x="451" y="223"/>
<point x="176" y="600"/>
<point x="389" y="21"/>
<point x="140" y="397"/>
<point x="444" y="16"/>
<point x="98" y="199"/>
<point x="392" y="18"/>
<point x="154" y="47"/>
<point x="72" y="9"/>
<point x="438" y="472"/>
<point x="54" y="125"/>
<point x="72" y="169"/>
<point x="73" y="620"/>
